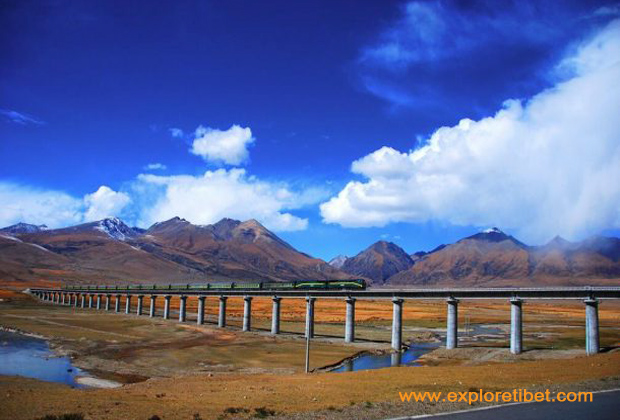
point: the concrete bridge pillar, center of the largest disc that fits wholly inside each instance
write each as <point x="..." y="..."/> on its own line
<point x="592" y="335"/>
<point x="128" y="304"/>
<point x="98" y="302"/>
<point x="200" y="319"/>
<point x="453" y="324"/>
<point x="167" y="306"/>
<point x="83" y="301"/>
<point x="310" y="317"/>
<point x="395" y="359"/>
<point x="152" y="307"/>
<point x="516" y="326"/>
<point x="108" y="299"/>
<point x="349" y="325"/>
<point x="140" y="302"/>
<point x="221" y="318"/>
<point x="183" y="308"/>
<point x="275" y="315"/>
<point x="397" y="323"/>
<point x="247" y="313"/>
<point x="90" y="301"/>
<point x="117" y="303"/>
<point x="63" y="299"/>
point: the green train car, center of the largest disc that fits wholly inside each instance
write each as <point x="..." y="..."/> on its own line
<point x="358" y="284"/>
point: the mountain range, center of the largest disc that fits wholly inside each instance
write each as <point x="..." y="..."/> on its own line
<point x="491" y="258"/>
<point x="177" y="251"/>
<point x="172" y="251"/>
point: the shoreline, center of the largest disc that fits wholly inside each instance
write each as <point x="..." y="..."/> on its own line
<point x="86" y="378"/>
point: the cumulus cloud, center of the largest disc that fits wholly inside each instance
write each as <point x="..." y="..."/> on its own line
<point x="155" y="167"/>
<point x="26" y="204"/>
<point x="217" y="194"/>
<point x="542" y="167"/>
<point x="105" y="202"/>
<point x="19" y="117"/>
<point x="56" y="208"/>
<point x="228" y="146"/>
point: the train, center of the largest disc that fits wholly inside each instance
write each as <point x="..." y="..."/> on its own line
<point x="357" y="284"/>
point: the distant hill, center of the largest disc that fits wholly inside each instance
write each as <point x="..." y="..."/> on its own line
<point x="378" y="262"/>
<point x="493" y="258"/>
<point x="22" y="228"/>
<point x="172" y="251"/>
<point x="338" y="261"/>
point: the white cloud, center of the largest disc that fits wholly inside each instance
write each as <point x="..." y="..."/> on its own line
<point x="25" y="204"/>
<point x="432" y="31"/>
<point x="19" y="117"/>
<point x="229" y="146"/>
<point x="548" y="166"/>
<point x="176" y="132"/>
<point x="155" y="167"/>
<point x="217" y="194"/>
<point x="103" y="203"/>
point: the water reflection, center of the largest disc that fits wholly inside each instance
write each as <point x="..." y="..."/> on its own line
<point x="378" y="361"/>
<point x="31" y="357"/>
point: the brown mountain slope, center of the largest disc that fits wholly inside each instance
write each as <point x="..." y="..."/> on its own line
<point x="172" y="251"/>
<point x="378" y="262"/>
<point x="494" y="259"/>
<point x="235" y="250"/>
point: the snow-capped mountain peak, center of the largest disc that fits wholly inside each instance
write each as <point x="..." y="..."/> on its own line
<point x="492" y="230"/>
<point x="338" y="261"/>
<point x="115" y="228"/>
<point x="22" y="227"/>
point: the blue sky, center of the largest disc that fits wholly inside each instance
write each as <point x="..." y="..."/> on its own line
<point x="323" y="120"/>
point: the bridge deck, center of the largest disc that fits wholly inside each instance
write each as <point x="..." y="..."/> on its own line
<point x="478" y="293"/>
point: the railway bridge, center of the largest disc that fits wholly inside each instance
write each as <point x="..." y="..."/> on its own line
<point x="101" y="299"/>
